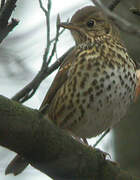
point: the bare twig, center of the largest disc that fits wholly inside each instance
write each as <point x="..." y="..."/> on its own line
<point x="135" y="11"/>
<point x="28" y="91"/>
<point x="59" y="35"/>
<point x="113" y="5"/>
<point x="47" y="15"/>
<point x="122" y="24"/>
<point x="56" y="40"/>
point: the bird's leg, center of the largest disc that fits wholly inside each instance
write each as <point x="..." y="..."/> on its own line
<point x="44" y="108"/>
<point x="81" y="140"/>
<point x="85" y="141"/>
<point x="103" y="135"/>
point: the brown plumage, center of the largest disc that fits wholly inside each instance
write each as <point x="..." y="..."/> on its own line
<point x="97" y="81"/>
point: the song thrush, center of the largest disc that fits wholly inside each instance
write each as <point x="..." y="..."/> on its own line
<point x="97" y="81"/>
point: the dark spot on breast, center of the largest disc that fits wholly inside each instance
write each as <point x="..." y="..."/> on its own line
<point x="112" y="74"/>
<point x="109" y="87"/>
<point x="98" y="69"/>
<point x="79" y="73"/>
<point x="96" y="64"/>
<point x="83" y="101"/>
<point x="99" y="93"/>
<point x="94" y="82"/>
<point x="90" y="90"/>
<point x="74" y="83"/>
<point x="89" y="66"/>
<point x="107" y="76"/>
<point x="59" y="112"/>
<point x="102" y="79"/>
<point x="88" y="105"/>
<point x="119" y="56"/>
<point x="113" y="82"/>
<point x="104" y="72"/>
<point x="82" y="110"/>
<point x="85" y="93"/>
<point x="77" y="101"/>
<point x="97" y="109"/>
<point x="101" y="85"/>
<point x="126" y="76"/>
<point x="111" y="65"/>
<point x="78" y="95"/>
<point x="66" y="123"/>
<point x="91" y="98"/>
<point x="72" y="94"/>
<point x="83" y="56"/>
<point x="82" y="83"/>
<point x="97" y="87"/>
<point x="100" y="102"/>
<point x="95" y="74"/>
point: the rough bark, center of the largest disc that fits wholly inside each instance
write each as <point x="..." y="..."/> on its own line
<point x="49" y="149"/>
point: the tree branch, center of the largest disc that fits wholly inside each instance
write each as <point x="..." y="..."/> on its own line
<point x="49" y="149"/>
<point x="122" y="23"/>
<point x="5" y="13"/>
<point x="113" y="5"/>
<point x="135" y="11"/>
<point x="31" y="88"/>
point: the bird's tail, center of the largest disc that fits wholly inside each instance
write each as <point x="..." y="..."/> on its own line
<point x="16" y="166"/>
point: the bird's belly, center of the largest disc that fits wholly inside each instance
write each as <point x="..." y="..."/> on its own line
<point x="98" y="119"/>
<point x="107" y="106"/>
<point x="88" y="107"/>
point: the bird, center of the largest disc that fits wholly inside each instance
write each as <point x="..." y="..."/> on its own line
<point x="96" y="83"/>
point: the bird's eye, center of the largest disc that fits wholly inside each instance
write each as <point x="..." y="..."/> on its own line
<point x="90" y="23"/>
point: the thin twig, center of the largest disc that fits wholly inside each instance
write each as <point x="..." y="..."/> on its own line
<point x="122" y="23"/>
<point x="135" y="11"/>
<point x="47" y="15"/>
<point x="2" y="3"/>
<point x="52" y="40"/>
<point x="28" y="91"/>
<point x="56" y="40"/>
<point x="42" y="7"/>
<point x="113" y="5"/>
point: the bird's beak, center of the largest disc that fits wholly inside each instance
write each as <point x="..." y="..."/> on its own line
<point x="68" y="26"/>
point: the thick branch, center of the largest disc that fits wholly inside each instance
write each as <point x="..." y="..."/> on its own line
<point x="49" y="149"/>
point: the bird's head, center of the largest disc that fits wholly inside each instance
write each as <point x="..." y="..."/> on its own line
<point x="90" y="23"/>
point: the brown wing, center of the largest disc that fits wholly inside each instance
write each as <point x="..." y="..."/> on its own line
<point x="59" y="79"/>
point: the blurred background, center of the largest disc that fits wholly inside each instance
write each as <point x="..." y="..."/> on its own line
<point x="21" y="58"/>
